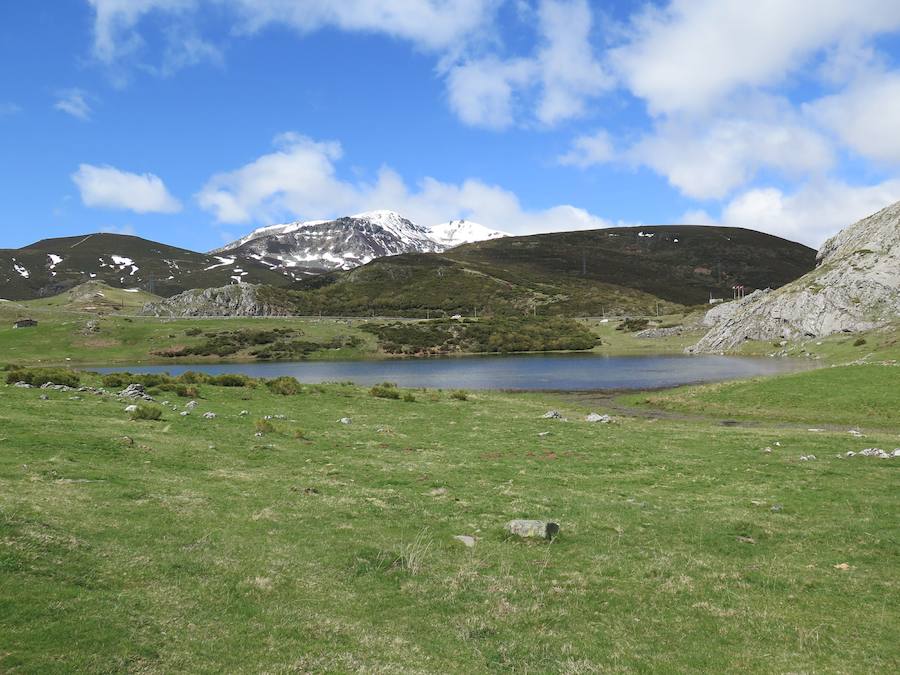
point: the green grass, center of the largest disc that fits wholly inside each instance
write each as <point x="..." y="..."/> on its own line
<point x="189" y="544"/>
<point x="865" y="395"/>
<point x="64" y="337"/>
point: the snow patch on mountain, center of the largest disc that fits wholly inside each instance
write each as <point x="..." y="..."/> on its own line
<point x="223" y="262"/>
<point x="457" y="232"/>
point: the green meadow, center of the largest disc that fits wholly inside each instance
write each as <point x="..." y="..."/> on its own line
<point x="193" y="544"/>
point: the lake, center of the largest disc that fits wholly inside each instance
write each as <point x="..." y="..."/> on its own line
<point x="568" y="372"/>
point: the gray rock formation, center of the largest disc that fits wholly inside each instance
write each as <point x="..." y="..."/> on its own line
<point x="232" y="300"/>
<point x="855" y="287"/>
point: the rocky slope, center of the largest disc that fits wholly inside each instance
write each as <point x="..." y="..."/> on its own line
<point x="313" y="247"/>
<point x="854" y="287"/>
<point x="234" y="300"/>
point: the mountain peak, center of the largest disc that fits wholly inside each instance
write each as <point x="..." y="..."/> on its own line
<point x="457" y="232"/>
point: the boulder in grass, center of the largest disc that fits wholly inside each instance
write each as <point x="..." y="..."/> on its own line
<point x="135" y="390"/>
<point x="465" y="540"/>
<point x="131" y="409"/>
<point x="602" y="419"/>
<point x="533" y="529"/>
<point x="191" y="405"/>
<point x="209" y="415"/>
<point x="552" y="415"/>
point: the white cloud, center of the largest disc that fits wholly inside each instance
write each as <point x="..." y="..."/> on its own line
<point x="74" y="102"/>
<point x="299" y="181"/>
<point x="557" y="81"/>
<point x="9" y="109"/>
<point x="866" y="115"/>
<point x="483" y="93"/>
<point x="692" y="53"/>
<point x="434" y="25"/>
<point x="711" y="159"/>
<point x="811" y="214"/>
<point x="569" y="71"/>
<point x="119" y="229"/>
<point x="596" y="148"/>
<point x="108" y="187"/>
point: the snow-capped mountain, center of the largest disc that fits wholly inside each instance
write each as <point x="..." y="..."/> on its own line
<point x="316" y="246"/>
<point x="313" y="247"/>
<point x="458" y="232"/>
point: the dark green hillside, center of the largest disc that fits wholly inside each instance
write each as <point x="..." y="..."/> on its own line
<point x="572" y="273"/>
<point x="678" y="263"/>
<point x="34" y="271"/>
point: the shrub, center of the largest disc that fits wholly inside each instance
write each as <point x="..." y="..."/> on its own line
<point x="147" y="412"/>
<point x="38" y="376"/>
<point x="858" y="342"/>
<point x="187" y="391"/>
<point x="264" y="426"/>
<point x="633" y="325"/>
<point x="192" y="377"/>
<point x="193" y="332"/>
<point x="285" y="386"/>
<point x="229" y="380"/>
<point x="409" y="398"/>
<point x="385" y="390"/>
<point x="460" y="395"/>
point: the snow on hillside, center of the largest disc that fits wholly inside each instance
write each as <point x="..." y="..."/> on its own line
<point x="456" y="232"/>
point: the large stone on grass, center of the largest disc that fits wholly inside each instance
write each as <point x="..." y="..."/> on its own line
<point x="533" y="529"/>
<point x="135" y="391"/>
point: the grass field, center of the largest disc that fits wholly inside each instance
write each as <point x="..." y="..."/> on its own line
<point x="866" y="395"/>
<point x="190" y="544"/>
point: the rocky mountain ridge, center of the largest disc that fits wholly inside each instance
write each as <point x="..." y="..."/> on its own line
<point x="317" y="246"/>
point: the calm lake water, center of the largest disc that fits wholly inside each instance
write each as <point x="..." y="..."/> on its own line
<point x="570" y="372"/>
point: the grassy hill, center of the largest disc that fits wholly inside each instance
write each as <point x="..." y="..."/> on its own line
<point x="622" y="270"/>
<point x="51" y="266"/>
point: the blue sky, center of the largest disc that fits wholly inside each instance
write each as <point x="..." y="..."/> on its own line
<point x="193" y="121"/>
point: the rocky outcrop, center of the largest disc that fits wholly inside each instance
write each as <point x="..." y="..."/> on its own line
<point x="855" y="287"/>
<point x="233" y="300"/>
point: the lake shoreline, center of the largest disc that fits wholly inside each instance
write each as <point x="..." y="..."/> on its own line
<point x="571" y="372"/>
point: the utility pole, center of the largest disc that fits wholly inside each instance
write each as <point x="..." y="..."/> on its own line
<point x="584" y="263"/>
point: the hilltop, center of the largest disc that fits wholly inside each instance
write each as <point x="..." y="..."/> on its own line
<point x="52" y="266"/>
